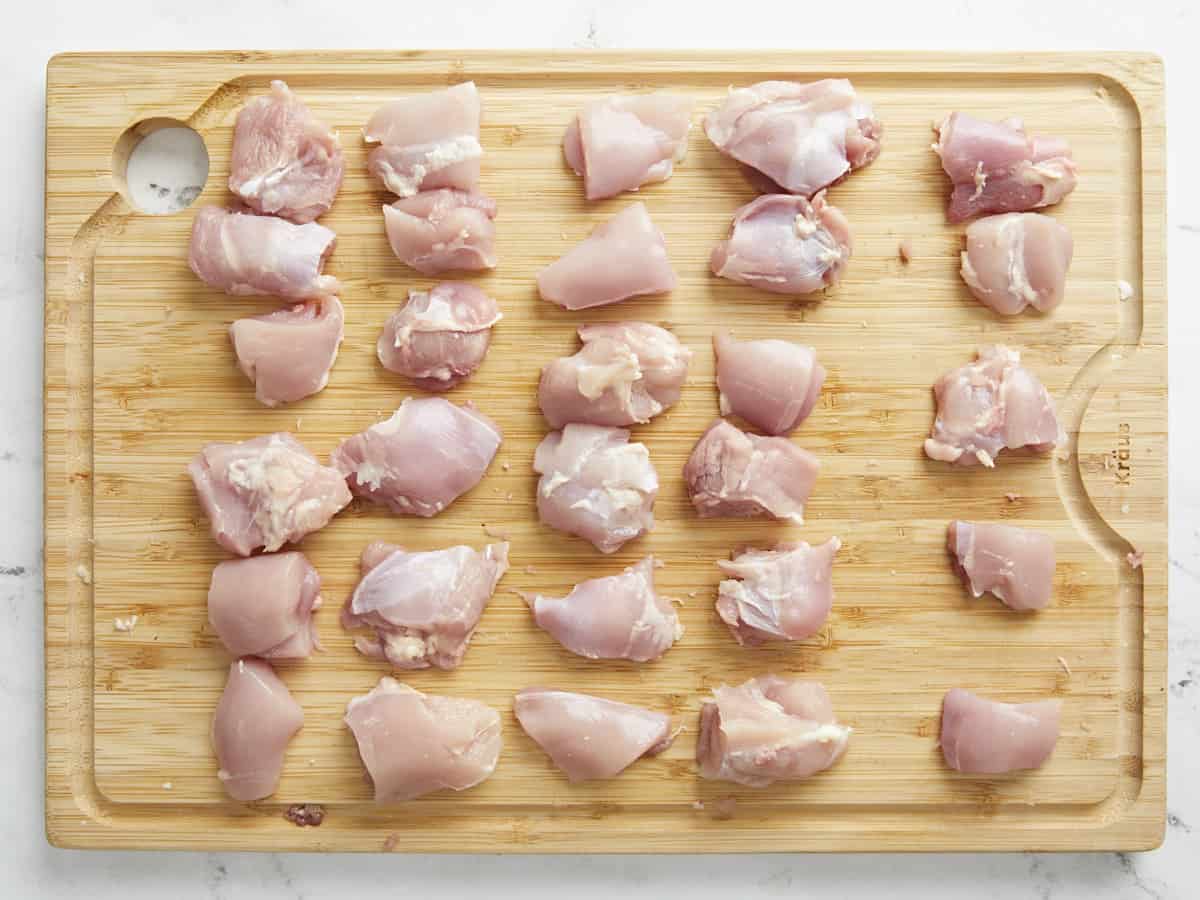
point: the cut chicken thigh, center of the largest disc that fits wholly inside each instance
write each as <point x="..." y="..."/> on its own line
<point x="284" y="162"/>
<point x="627" y="373"/>
<point x="443" y="231"/>
<point x="289" y="353"/>
<point x="1014" y="564"/>
<point x="418" y="462"/>
<point x="423" y="606"/>
<point x="615" y="617"/>
<point x="772" y="384"/>
<point x="986" y="737"/>
<point x="254" y="721"/>
<point x="1017" y="260"/>
<point x="264" y="605"/>
<point x="265" y="492"/>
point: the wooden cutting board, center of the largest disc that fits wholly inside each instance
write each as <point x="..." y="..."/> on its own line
<point x="139" y="374"/>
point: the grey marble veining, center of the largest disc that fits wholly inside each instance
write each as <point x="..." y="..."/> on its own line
<point x="35" y="31"/>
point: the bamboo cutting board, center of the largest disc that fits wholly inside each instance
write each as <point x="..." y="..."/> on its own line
<point x="139" y="373"/>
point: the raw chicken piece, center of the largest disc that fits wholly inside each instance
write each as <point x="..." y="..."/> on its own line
<point x="590" y="737"/>
<point x="284" y="162"/>
<point x="768" y="729"/>
<point x="801" y="136"/>
<point x="427" y="141"/>
<point x="624" y="141"/>
<point x="772" y="384"/>
<point x="1017" y="260"/>
<point x="255" y="719"/>
<point x="997" y="168"/>
<point x="440" y="336"/>
<point x="424" y="606"/>
<point x="240" y="253"/>
<point x="985" y="737"/>
<point x="595" y="484"/>
<point x="265" y="492"/>
<point x="288" y="353"/>
<point x="441" y="231"/>
<point x="616" y="617"/>
<point x="735" y="474"/>
<point x="626" y="373"/>
<point x="781" y="594"/>
<point x="263" y="606"/>
<point x="1014" y="564"/>
<point x="622" y="258"/>
<point x="989" y="405"/>
<point x="413" y="743"/>
<point x="785" y="244"/>
<point x="418" y="462"/>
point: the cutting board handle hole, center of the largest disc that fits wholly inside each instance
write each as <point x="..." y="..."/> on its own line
<point x="160" y="166"/>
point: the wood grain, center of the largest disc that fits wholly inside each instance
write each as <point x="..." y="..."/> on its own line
<point x="139" y="373"/>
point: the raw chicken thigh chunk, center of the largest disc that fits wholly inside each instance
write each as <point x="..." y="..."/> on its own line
<point x="622" y="258"/>
<point x="996" y="167"/>
<point x="735" y="474"/>
<point x="440" y="336"/>
<point x="1014" y="564"/>
<point x="627" y="373"/>
<point x="1017" y="260"/>
<point x="986" y="737"/>
<point x="413" y="744"/>
<point x="289" y="353"/>
<point x="772" y="384"/>
<point x="785" y="244"/>
<point x="264" y="605"/>
<point x="990" y="405"/>
<point x="427" y="141"/>
<point x="768" y="729"/>
<point x="595" y="484"/>
<point x="590" y="737"/>
<point x="240" y="253"/>
<point x="443" y="231"/>
<point x="781" y="594"/>
<point x="616" y="617"/>
<point x="255" y="720"/>
<point x="418" y="462"/>
<point x="265" y="492"/>
<point x="284" y="162"/>
<point x="624" y="141"/>
<point x="803" y="137"/>
<point x="423" y="606"/>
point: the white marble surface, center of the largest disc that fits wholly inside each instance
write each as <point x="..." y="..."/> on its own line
<point x="37" y="30"/>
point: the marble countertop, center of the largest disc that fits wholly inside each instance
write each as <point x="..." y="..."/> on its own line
<point x="38" y="30"/>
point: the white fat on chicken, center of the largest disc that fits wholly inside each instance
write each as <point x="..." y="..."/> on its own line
<point x="1014" y="564"/>
<point x="996" y="167"/>
<point x="621" y="258"/>
<point x="739" y="475"/>
<point x="781" y="594"/>
<point x="590" y="737"/>
<point x="627" y="373"/>
<point x="991" y="405"/>
<point x="596" y="484"/>
<point x="440" y="336"/>
<point x="418" y="462"/>
<point x="768" y="729"/>
<point x="803" y="137"/>
<point x="424" y="606"/>
<point x="254" y="721"/>
<point x="427" y="141"/>
<point x="244" y="254"/>
<point x="443" y="231"/>
<point x="986" y="737"/>
<point x="614" y="617"/>
<point x="772" y="384"/>
<point x="785" y="244"/>
<point x="265" y="492"/>
<point x="623" y="141"/>
<point x="264" y="605"/>
<point x="412" y="744"/>
<point x="288" y="353"/>
<point x="284" y="162"/>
